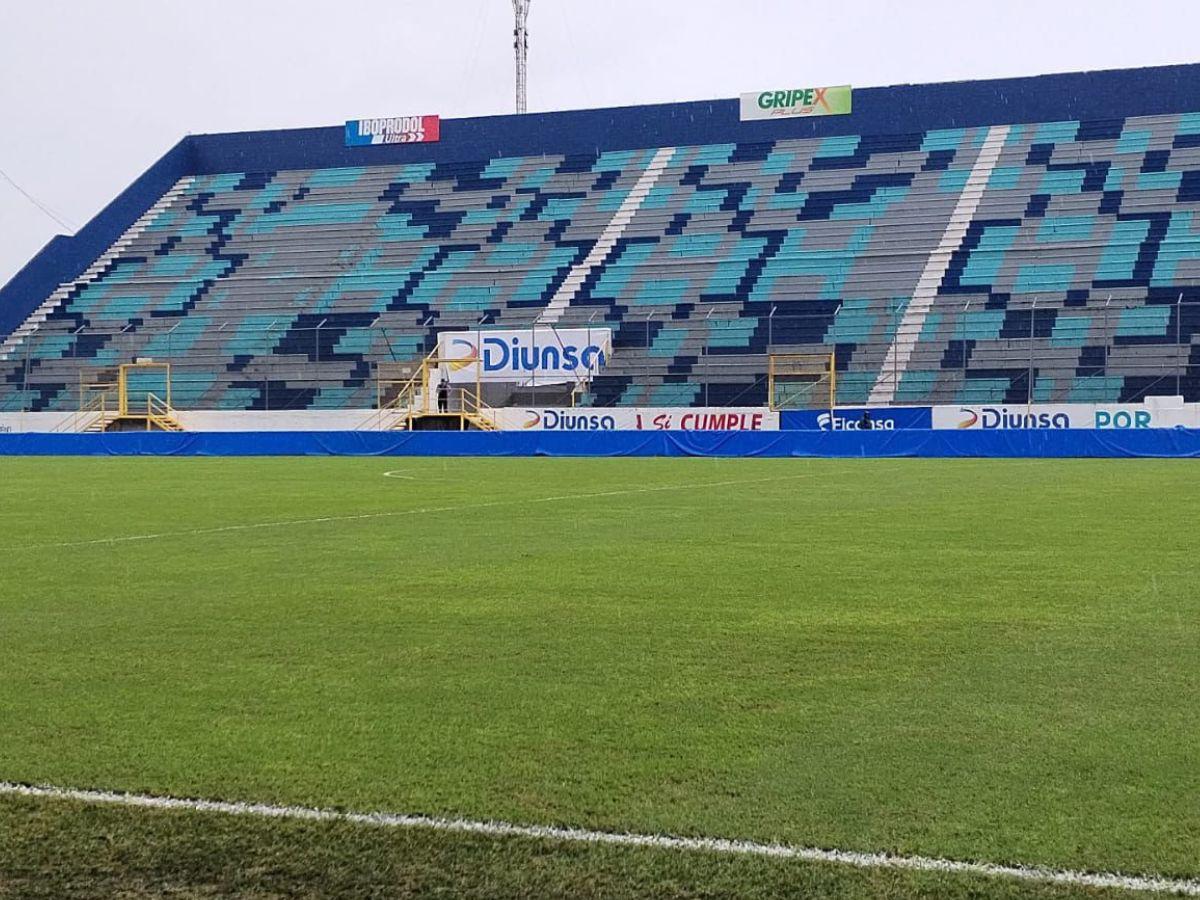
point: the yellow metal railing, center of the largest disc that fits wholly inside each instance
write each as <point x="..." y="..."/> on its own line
<point x="97" y="407"/>
<point x="417" y="397"/>
<point x="105" y="401"/>
<point x="405" y="402"/>
<point x="159" y="414"/>
<point x="474" y="410"/>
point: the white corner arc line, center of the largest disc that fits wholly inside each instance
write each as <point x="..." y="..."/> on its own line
<point x="420" y="511"/>
<point x="396" y="473"/>
<point x="855" y="859"/>
<point x="907" y="333"/>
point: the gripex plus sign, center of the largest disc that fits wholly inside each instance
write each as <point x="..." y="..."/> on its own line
<point x="808" y="101"/>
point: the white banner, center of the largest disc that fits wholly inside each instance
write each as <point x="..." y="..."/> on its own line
<point x="677" y="418"/>
<point x="628" y="418"/>
<point x="21" y="422"/>
<point x="210" y="420"/>
<point x="1067" y="415"/>
<point x="529" y="356"/>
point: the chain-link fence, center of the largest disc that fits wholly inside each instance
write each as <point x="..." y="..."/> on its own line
<point x="954" y="352"/>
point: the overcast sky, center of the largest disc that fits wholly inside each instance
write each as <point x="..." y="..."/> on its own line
<point x="91" y="92"/>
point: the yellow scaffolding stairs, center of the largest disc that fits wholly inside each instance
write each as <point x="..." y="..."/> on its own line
<point x="406" y="400"/>
<point x="107" y="405"/>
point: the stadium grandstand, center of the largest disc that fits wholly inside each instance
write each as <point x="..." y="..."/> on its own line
<point x="1028" y="240"/>
<point x="696" y="500"/>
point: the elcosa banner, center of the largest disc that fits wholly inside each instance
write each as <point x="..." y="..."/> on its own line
<point x="663" y="418"/>
<point x="529" y="356"/>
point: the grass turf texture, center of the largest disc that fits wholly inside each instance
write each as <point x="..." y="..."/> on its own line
<point x="973" y="659"/>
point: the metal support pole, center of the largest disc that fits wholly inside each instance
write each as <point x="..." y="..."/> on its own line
<point x="962" y="342"/>
<point x="704" y="351"/>
<point x="1029" y="375"/>
<point x="1180" y="357"/>
<point x="25" y="380"/>
<point x="895" y="356"/>
<point x="533" y="394"/>
<point x="1107" y="334"/>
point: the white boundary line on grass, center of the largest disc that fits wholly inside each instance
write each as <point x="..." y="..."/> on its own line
<point x="1146" y="883"/>
<point x="286" y="523"/>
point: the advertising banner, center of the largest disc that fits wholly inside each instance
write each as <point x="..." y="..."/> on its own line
<point x="396" y="130"/>
<point x="528" y="356"/>
<point x="678" y="418"/>
<point x="792" y="102"/>
<point x="1066" y="415"/>
<point x="20" y="422"/>
<point x="884" y="418"/>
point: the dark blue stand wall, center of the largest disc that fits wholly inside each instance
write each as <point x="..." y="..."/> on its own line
<point x="1175" y="443"/>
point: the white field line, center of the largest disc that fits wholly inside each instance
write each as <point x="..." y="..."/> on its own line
<point x="428" y="510"/>
<point x="1151" y="883"/>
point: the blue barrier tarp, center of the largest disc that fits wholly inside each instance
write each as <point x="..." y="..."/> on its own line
<point x="1169" y="443"/>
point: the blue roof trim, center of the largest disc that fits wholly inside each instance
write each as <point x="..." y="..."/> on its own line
<point x="899" y="109"/>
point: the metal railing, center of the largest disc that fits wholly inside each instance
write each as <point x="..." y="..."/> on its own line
<point x="282" y="366"/>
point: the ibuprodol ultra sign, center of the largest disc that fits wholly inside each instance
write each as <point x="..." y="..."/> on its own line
<point x="394" y="130"/>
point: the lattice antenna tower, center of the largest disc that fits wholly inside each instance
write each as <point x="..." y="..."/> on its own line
<point x="521" y="47"/>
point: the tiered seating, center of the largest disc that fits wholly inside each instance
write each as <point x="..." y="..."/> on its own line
<point x="286" y="289"/>
<point x="1085" y="245"/>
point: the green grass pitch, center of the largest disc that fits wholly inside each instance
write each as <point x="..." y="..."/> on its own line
<point x="976" y="659"/>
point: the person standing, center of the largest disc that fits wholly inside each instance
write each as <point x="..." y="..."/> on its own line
<point x="443" y="394"/>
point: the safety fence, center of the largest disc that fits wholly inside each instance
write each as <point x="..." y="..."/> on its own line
<point x="1025" y="352"/>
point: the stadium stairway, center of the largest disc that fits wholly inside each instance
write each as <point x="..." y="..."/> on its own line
<point x="1052" y="261"/>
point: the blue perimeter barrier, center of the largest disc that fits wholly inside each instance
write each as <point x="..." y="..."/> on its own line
<point x="1169" y="443"/>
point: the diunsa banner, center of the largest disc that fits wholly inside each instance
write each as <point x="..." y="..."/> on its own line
<point x="526" y="356"/>
<point x="1119" y="416"/>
